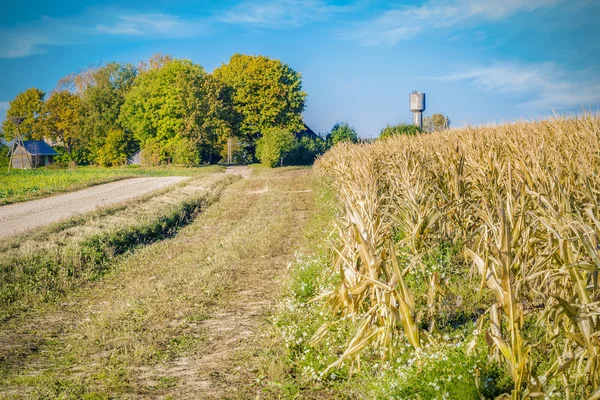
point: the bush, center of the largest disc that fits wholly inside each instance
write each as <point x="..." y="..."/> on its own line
<point x="305" y="151"/>
<point x="342" y="132"/>
<point x="273" y="146"/>
<point x="185" y="152"/>
<point x="4" y="159"/>
<point x="400" y="129"/>
<point x="115" y="149"/>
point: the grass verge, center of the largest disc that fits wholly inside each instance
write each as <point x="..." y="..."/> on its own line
<point x="40" y="267"/>
<point x="21" y="185"/>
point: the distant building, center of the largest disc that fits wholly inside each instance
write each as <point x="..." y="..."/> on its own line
<point x="35" y="153"/>
<point x="135" y="159"/>
<point x="306" y="132"/>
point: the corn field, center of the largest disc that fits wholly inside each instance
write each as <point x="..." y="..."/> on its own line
<point x="522" y="199"/>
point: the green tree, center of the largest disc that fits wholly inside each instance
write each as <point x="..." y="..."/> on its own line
<point x="114" y="151"/>
<point x="61" y="119"/>
<point x="219" y="120"/>
<point x="103" y="95"/>
<point x="165" y="104"/>
<point x="266" y="93"/>
<point x="399" y="129"/>
<point x="342" y="132"/>
<point x="437" y="122"/>
<point x="4" y="158"/>
<point x="273" y="146"/>
<point x="26" y="104"/>
<point x="184" y="152"/>
<point x="305" y="150"/>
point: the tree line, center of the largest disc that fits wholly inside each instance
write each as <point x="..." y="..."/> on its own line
<point x="177" y="113"/>
<point x="171" y="109"/>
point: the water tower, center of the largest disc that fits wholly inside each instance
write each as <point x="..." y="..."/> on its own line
<point x="417" y="106"/>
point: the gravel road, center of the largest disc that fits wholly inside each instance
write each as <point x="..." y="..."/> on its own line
<point x="20" y="217"/>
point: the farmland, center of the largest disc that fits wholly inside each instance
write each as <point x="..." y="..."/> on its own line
<point x="22" y="185"/>
<point x="460" y="264"/>
<point x="464" y="265"/>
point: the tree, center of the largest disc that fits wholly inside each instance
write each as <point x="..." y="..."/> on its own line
<point x="305" y="150"/>
<point x="26" y="104"/>
<point x="342" y="132"/>
<point x="399" y="129"/>
<point x="102" y="100"/>
<point x="437" y="122"/>
<point x="266" y="93"/>
<point x="273" y="146"/>
<point x="4" y="158"/>
<point x="165" y="104"/>
<point x="220" y="120"/>
<point x="114" y="151"/>
<point x="158" y="60"/>
<point x="61" y="119"/>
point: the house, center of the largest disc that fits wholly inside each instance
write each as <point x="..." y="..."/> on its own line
<point x="32" y="154"/>
<point x="306" y="132"/>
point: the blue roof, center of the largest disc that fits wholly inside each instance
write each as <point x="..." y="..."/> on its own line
<point x="39" y="148"/>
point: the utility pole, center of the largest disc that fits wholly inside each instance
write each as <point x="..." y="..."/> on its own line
<point x="229" y="150"/>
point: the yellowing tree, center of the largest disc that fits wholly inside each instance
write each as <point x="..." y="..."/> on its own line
<point x="437" y="122"/>
<point x="61" y="119"/>
<point x="26" y="104"/>
<point x="266" y="93"/>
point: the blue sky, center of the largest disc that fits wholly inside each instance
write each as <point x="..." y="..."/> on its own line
<point x="478" y="61"/>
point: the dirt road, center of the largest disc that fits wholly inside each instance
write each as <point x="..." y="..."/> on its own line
<point x="185" y="318"/>
<point x="20" y="217"/>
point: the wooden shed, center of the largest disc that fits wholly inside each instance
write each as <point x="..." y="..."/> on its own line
<point x="32" y="154"/>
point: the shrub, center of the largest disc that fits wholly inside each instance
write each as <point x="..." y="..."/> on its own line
<point x="4" y="159"/>
<point x="114" y="151"/>
<point x="399" y="129"/>
<point x="342" y="132"/>
<point x="185" y="152"/>
<point x="273" y="146"/>
<point x="305" y="151"/>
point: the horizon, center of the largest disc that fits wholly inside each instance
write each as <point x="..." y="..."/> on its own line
<point x="477" y="62"/>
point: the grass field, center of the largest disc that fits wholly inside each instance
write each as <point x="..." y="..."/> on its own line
<point x="21" y="185"/>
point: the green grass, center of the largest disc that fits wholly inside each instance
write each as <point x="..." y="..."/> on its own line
<point x="21" y="185"/>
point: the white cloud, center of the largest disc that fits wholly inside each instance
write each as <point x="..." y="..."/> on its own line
<point x="4" y="105"/>
<point x="154" y="25"/>
<point x="406" y="22"/>
<point x="546" y="85"/>
<point x="35" y="37"/>
<point x="277" y="14"/>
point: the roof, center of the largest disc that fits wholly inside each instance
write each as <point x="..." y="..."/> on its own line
<point x="39" y="148"/>
<point x="307" y="132"/>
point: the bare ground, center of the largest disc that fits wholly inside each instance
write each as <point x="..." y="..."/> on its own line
<point x="21" y="217"/>
<point x="183" y="318"/>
